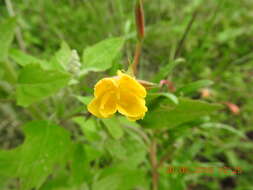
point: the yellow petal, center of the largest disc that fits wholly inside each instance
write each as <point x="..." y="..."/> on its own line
<point x="131" y="105"/>
<point x="127" y="83"/>
<point x="108" y="105"/>
<point x="136" y="118"/>
<point x="105" y="85"/>
<point x="93" y="107"/>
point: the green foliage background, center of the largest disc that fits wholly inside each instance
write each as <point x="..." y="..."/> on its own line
<point x="48" y="139"/>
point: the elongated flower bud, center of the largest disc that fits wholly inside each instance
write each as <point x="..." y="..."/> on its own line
<point x="139" y="18"/>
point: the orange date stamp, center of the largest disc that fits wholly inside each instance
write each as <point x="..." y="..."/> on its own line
<point x="204" y="170"/>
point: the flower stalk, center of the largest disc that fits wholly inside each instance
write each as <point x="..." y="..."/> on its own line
<point x="140" y="27"/>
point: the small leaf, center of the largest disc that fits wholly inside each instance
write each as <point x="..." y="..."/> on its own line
<point x="168" y="95"/>
<point x="100" y="56"/>
<point x="114" y="127"/>
<point x="35" y="84"/>
<point x="89" y="128"/>
<point x="163" y="113"/>
<point x="84" y="99"/>
<point x="194" y="86"/>
<point x="61" y="59"/>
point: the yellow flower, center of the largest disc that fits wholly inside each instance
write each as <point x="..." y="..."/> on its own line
<point x="123" y="94"/>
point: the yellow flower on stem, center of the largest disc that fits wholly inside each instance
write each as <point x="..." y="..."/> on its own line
<point x="121" y="93"/>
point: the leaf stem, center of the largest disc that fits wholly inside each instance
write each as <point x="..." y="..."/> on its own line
<point x="137" y="56"/>
<point x="153" y="161"/>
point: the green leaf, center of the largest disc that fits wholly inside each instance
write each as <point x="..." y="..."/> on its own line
<point x="194" y="86"/>
<point x="61" y="59"/>
<point x="89" y="128"/>
<point x="120" y="178"/>
<point x="79" y="165"/>
<point x="23" y="59"/>
<point x="225" y="127"/>
<point x="7" y="31"/>
<point x="45" y="145"/>
<point x="1" y="73"/>
<point x="163" y="113"/>
<point x="35" y="84"/>
<point x="100" y="56"/>
<point x="114" y="127"/>
<point x="131" y="148"/>
<point x="84" y="99"/>
<point x="169" y="96"/>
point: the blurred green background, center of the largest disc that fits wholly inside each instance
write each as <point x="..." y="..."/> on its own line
<point x="218" y="46"/>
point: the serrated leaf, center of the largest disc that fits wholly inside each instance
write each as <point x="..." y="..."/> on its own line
<point x="114" y="128"/>
<point x="45" y="145"/>
<point x="7" y="31"/>
<point x="35" y="84"/>
<point x="165" y="114"/>
<point x="100" y="56"/>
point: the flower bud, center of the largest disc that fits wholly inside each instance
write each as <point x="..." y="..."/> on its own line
<point x="139" y="18"/>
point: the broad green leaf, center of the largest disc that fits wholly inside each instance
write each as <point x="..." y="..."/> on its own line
<point x="194" y="86"/>
<point x="23" y="59"/>
<point x="8" y="165"/>
<point x="35" y="84"/>
<point x="100" y="56"/>
<point x="46" y="145"/>
<point x="114" y="127"/>
<point x="165" y="114"/>
<point x="59" y="182"/>
<point x="7" y="31"/>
